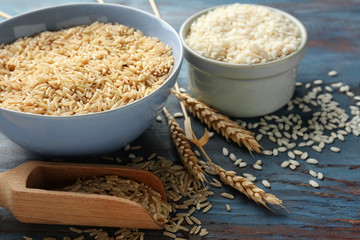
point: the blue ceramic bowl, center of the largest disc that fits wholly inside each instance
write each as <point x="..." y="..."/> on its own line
<point x="95" y="133"/>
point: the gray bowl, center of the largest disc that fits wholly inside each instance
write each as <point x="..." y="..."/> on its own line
<point x="95" y="133"/>
<point x="242" y="90"/>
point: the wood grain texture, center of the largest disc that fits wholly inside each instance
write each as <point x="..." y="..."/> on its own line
<point x="329" y="212"/>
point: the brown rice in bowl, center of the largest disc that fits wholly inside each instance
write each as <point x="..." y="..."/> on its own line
<point x="82" y="69"/>
<point x="102" y="131"/>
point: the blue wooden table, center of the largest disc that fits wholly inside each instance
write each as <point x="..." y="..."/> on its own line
<point x="329" y="212"/>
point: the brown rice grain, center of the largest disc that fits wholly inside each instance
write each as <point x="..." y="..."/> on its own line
<point x="205" y="210"/>
<point x="169" y="234"/>
<point x="94" y="77"/>
<point x="76" y="230"/>
<point x="227" y="195"/>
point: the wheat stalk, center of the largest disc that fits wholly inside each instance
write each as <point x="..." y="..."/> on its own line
<point x="246" y="187"/>
<point x="183" y="147"/>
<point x="219" y="122"/>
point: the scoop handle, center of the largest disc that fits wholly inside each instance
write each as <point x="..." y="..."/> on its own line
<point x="5" y="195"/>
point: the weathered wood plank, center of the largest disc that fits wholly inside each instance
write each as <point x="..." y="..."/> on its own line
<point x="329" y="212"/>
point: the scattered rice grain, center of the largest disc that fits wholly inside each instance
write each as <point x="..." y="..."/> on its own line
<point x="316" y="148"/>
<point x="242" y="164"/>
<point x="318" y="82"/>
<point x="225" y="151"/>
<point x="207" y="208"/>
<point x="227" y="195"/>
<point x="291" y="154"/>
<point x="335" y="149"/>
<point x="320" y="176"/>
<point x="228" y="208"/>
<point x="285" y="164"/>
<point x="169" y="234"/>
<point x="265" y="183"/>
<point x="312" y="161"/>
<point x="313" y="183"/>
<point x="313" y="173"/>
<point x="257" y="166"/>
<point x="332" y="73"/>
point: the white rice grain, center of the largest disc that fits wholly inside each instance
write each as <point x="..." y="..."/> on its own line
<point x="313" y="183"/>
<point x="332" y="73"/>
<point x="265" y="183"/>
<point x="225" y="151"/>
<point x="312" y="161"/>
<point x="313" y="173"/>
<point x="285" y="164"/>
<point x="232" y="157"/>
<point x="335" y="149"/>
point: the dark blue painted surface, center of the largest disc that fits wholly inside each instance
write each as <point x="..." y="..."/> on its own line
<point x="330" y="212"/>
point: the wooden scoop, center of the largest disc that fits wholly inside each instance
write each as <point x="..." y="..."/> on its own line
<point x="25" y="192"/>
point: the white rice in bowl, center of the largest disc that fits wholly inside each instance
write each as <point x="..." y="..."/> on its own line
<point x="81" y="70"/>
<point x="244" y="34"/>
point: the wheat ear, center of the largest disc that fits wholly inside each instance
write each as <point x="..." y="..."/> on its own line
<point x="245" y="186"/>
<point x="183" y="147"/>
<point x="219" y="122"/>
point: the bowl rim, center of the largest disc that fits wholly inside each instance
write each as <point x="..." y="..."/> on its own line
<point x="195" y="16"/>
<point x="175" y="68"/>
